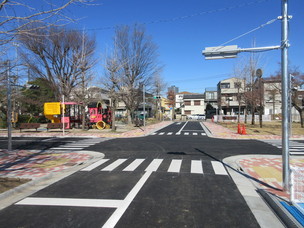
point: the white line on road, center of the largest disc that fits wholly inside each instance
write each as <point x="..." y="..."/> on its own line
<point x="196" y="166"/>
<point x="218" y="168"/>
<point x="154" y="165"/>
<point x="170" y="133"/>
<point x="186" y="133"/>
<point x="161" y="133"/>
<point x="94" y="165"/>
<point x="70" y="202"/>
<point x="182" y="128"/>
<point x="175" y="166"/>
<point x="134" y="165"/>
<point x="118" y="213"/>
<point x="195" y="133"/>
<point x="114" y="165"/>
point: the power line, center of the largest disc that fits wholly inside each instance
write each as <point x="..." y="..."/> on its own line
<point x="188" y="16"/>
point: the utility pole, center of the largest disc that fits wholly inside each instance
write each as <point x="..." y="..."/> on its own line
<point x="144" y="104"/>
<point x="222" y="52"/>
<point x="285" y="96"/>
<point x="9" y="107"/>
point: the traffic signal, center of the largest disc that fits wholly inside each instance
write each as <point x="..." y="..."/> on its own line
<point x="157" y="97"/>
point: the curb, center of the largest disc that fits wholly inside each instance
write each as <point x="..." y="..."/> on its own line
<point x="11" y="196"/>
<point x="265" y="217"/>
<point x="282" y="213"/>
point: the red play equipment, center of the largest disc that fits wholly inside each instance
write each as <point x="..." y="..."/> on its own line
<point x="100" y="114"/>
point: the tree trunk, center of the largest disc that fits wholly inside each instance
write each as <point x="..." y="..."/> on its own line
<point x="83" y="117"/>
<point x="302" y="118"/>
<point x="113" y="118"/>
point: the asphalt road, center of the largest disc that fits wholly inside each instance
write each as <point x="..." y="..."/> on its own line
<point x="173" y="178"/>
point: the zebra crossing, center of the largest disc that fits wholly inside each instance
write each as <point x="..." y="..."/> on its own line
<point x="79" y="144"/>
<point x="180" y="133"/>
<point x="158" y="165"/>
<point x="295" y="148"/>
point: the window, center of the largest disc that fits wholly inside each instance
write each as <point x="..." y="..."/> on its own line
<point x="187" y="102"/>
<point x="197" y="102"/>
<point x="225" y="85"/>
<point x="300" y="97"/>
<point x="187" y="112"/>
<point x="237" y="85"/>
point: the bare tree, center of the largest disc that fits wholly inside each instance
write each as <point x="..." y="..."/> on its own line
<point x="18" y="16"/>
<point x="245" y="70"/>
<point x="61" y="56"/>
<point x="296" y="90"/>
<point x="132" y="65"/>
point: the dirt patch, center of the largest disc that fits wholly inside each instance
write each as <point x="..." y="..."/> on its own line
<point x="268" y="128"/>
<point x="10" y="183"/>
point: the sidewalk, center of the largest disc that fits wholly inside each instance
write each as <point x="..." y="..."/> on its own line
<point x="265" y="174"/>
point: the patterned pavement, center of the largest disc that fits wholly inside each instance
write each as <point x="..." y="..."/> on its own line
<point x="34" y="164"/>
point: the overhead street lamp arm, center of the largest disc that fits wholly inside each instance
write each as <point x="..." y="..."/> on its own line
<point x="223" y="52"/>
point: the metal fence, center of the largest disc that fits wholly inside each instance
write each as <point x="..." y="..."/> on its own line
<point x="297" y="187"/>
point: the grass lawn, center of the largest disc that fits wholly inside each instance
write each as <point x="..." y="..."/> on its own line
<point x="269" y="128"/>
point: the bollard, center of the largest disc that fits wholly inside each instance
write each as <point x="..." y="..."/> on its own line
<point x="239" y="130"/>
<point x="244" y="130"/>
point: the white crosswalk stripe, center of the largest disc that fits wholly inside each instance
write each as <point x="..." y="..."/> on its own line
<point x="114" y="165"/>
<point x="134" y="165"/>
<point x="180" y="133"/>
<point x="174" y="166"/>
<point x="295" y="148"/>
<point x="218" y="168"/>
<point x="79" y="145"/>
<point x="196" y="166"/>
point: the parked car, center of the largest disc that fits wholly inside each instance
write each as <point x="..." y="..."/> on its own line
<point x="197" y="117"/>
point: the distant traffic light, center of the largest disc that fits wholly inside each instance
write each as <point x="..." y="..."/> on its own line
<point x="157" y="97"/>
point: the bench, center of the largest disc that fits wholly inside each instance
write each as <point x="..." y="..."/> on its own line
<point x="29" y="126"/>
<point x="55" y="126"/>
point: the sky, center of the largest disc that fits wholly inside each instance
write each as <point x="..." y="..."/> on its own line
<point x="183" y="28"/>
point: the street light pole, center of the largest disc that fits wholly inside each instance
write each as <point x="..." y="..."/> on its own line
<point x="285" y="96"/>
<point x="9" y="107"/>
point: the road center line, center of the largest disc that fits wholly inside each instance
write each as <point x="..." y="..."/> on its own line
<point x="112" y="221"/>
<point x="182" y="127"/>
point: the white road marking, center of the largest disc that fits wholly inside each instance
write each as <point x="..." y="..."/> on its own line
<point x="134" y="165"/>
<point x="114" y="165"/>
<point x="203" y="133"/>
<point x="175" y="166"/>
<point x="218" y="168"/>
<point x="154" y="165"/>
<point x="161" y="133"/>
<point x="186" y="133"/>
<point x="170" y="133"/>
<point x="297" y="153"/>
<point x="182" y="127"/>
<point x="196" y="166"/>
<point x="71" y="202"/>
<point x="118" y="213"/>
<point x="66" y="148"/>
<point x="178" y="133"/>
<point x="154" y="133"/>
<point x="94" y="165"/>
<point x="194" y="133"/>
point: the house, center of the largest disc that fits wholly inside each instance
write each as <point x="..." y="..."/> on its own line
<point x="229" y="96"/>
<point x="211" y="102"/>
<point x="193" y="104"/>
<point x="272" y="96"/>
